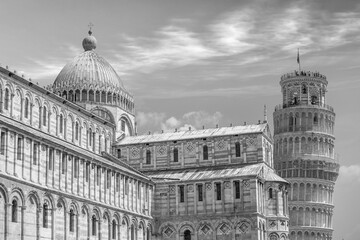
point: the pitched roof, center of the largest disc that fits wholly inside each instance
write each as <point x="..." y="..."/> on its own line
<point x="193" y="134"/>
<point x="261" y="170"/>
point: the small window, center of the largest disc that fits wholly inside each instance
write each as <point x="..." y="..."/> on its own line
<point x="61" y="123"/>
<point x="119" y="153"/>
<point x="182" y="193"/>
<point x="117" y="183"/>
<point x="35" y="153"/>
<point x="2" y="143"/>
<point x="93" y="225"/>
<point x="200" y="192"/>
<point x="14" y="211"/>
<point x="314" y="100"/>
<point x="76" y="131"/>
<point x="89" y="137"/>
<point x="51" y="157"/>
<point x="176" y="155"/>
<point x="72" y="221"/>
<point x="87" y="172"/>
<point x="218" y="191"/>
<point x="45" y="215"/>
<point x="26" y="110"/>
<point x="114" y="226"/>
<point x="19" y="148"/>
<point x="108" y="180"/>
<point x="76" y="168"/>
<point x="44" y="115"/>
<point x="315" y="119"/>
<point x="237" y="149"/>
<point x="205" y="152"/>
<point x="63" y="163"/>
<point x="270" y="193"/>
<point x="148" y="157"/>
<point x="139" y="190"/>
<point x="304" y="89"/>
<point x="7" y="99"/>
<point x="98" y="175"/>
<point x="237" y="189"/>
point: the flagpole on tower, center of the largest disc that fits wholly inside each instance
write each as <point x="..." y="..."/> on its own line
<point x="298" y="59"/>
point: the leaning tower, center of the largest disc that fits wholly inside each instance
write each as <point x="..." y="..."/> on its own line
<point x="304" y="153"/>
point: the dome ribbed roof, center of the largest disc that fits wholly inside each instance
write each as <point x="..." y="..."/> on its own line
<point x="88" y="71"/>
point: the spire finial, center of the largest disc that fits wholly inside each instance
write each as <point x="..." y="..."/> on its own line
<point x="90" y="27"/>
<point x="265" y="114"/>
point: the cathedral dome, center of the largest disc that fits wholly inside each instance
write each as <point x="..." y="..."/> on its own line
<point x="88" y="71"/>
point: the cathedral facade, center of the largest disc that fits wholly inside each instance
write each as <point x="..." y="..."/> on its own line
<point x="73" y="167"/>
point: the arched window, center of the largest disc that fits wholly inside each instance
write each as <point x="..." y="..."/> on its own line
<point x="315" y="119"/>
<point x="93" y="225"/>
<point x="237" y="149"/>
<point x="14" y="211"/>
<point x="72" y="221"/>
<point x="7" y="99"/>
<point x="76" y="131"/>
<point x="304" y="89"/>
<point x="45" y="215"/>
<point x="187" y="235"/>
<point x="313" y="100"/>
<point x="205" y="152"/>
<point x="44" y="115"/>
<point x="114" y="225"/>
<point x="132" y="232"/>
<point x="61" y="122"/>
<point x="176" y="155"/>
<point x="90" y="137"/>
<point x="148" y="233"/>
<point x="26" y="110"/>
<point x="270" y="193"/>
<point x="148" y="157"/>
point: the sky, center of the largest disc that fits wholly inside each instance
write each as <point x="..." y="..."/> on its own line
<point x="205" y="62"/>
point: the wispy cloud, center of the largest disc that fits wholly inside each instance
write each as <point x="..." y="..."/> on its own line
<point x="255" y="32"/>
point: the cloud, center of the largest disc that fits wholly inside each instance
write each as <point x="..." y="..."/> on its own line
<point x="350" y="173"/>
<point x="255" y="33"/>
<point x="194" y="120"/>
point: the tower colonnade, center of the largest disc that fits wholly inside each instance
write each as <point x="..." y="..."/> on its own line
<point x="304" y="153"/>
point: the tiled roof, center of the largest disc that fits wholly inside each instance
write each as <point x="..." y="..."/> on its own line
<point x="193" y="134"/>
<point x="209" y="173"/>
<point x="88" y="71"/>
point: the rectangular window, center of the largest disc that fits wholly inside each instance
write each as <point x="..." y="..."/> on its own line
<point x="126" y="186"/>
<point x="117" y="183"/>
<point x="176" y="155"/>
<point x="2" y="143"/>
<point x="87" y="172"/>
<point x="182" y="193"/>
<point x="20" y="148"/>
<point x="139" y="190"/>
<point x="98" y="176"/>
<point x="63" y="163"/>
<point x="76" y="168"/>
<point x="200" y="192"/>
<point x="237" y="189"/>
<point x="35" y="153"/>
<point x="51" y="157"/>
<point x="108" y="181"/>
<point x="119" y="153"/>
<point x="218" y="191"/>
